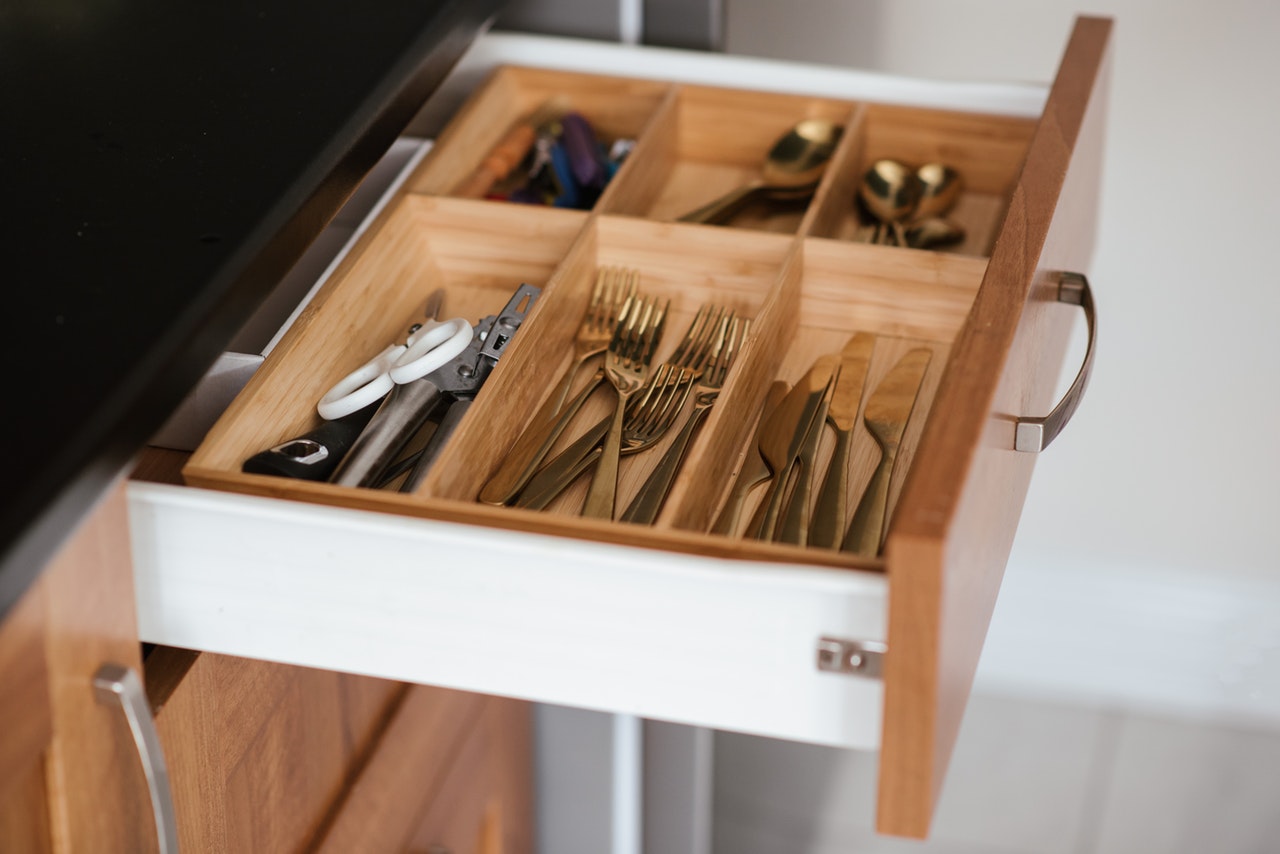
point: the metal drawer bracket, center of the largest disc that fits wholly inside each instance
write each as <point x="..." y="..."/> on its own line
<point x="853" y="657"/>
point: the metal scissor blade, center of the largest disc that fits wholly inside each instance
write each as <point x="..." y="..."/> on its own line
<point x="435" y="302"/>
<point x="401" y="414"/>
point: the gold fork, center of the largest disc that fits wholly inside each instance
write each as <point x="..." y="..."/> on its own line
<point x="648" y="418"/>
<point x="626" y="363"/>
<point x="671" y="382"/>
<point x="730" y="333"/>
<point x="614" y="288"/>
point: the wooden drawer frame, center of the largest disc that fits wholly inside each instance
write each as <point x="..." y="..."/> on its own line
<point x="693" y="638"/>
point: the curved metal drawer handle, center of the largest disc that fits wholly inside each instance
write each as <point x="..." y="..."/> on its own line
<point x="114" y="685"/>
<point x="1034" y="434"/>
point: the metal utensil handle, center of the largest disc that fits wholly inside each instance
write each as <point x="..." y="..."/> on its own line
<point x="720" y="209"/>
<point x="448" y="424"/>
<point x="400" y="416"/>
<point x="644" y="508"/>
<point x="114" y="685"/>
<point x="1033" y="435"/>
<point x="531" y="448"/>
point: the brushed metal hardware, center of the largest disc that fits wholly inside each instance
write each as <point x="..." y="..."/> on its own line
<point x="1033" y="435"/>
<point x="114" y="685"/>
<point x="851" y="657"/>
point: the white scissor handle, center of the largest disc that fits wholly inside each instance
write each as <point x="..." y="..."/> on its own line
<point x="366" y="384"/>
<point x="430" y="347"/>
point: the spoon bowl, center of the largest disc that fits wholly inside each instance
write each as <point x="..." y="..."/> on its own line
<point x="891" y="192"/>
<point x="791" y="171"/>
<point x="940" y="186"/>
<point x="933" y="231"/>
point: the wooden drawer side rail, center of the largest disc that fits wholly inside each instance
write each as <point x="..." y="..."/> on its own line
<point x="959" y="510"/>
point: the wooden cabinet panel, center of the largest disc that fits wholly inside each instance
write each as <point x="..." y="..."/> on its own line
<point x="484" y="806"/>
<point x="98" y="797"/>
<point x="259" y="752"/>
<point x="271" y="757"/>
<point x="452" y="772"/>
<point x="24" y="812"/>
<point x="70" y="776"/>
<point x="24" y="702"/>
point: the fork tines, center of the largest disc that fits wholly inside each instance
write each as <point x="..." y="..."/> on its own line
<point x="640" y="325"/>
<point x="732" y="333"/>
<point x="614" y="290"/>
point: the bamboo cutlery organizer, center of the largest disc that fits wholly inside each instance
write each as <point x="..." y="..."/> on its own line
<point x="799" y="271"/>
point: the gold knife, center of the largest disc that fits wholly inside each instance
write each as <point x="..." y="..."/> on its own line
<point x="754" y="471"/>
<point x="833" y="500"/>
<point x="794" y="527"/>
<point x="782" y="437"/>
<point x="886" y="415"/>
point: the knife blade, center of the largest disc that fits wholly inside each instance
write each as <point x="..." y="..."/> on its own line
<point x="886" y="415"/>
<point x="794" y="527"/>
<point x="782" y="437"/>
<point x="832" y="509"/>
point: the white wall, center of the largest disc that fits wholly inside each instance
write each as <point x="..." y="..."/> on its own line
<point x="1164" y="489"/>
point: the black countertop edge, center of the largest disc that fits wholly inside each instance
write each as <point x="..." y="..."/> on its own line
<point x="33" y="527"/>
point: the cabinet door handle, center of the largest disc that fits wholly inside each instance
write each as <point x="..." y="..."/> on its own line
<point x="1035" y="434"/>
<point x="118" y="686"/>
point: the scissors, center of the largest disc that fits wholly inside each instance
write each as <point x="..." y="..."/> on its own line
<point x="348" y="407"/>
<point x="429" y="346"/>
<point x="408" y="405"/>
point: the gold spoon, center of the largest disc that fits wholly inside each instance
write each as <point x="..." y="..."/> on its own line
<point x="940" y="186"/>
<point x="933" y="231"/>
<point x="891" y="192"/>
<point x="791" y="171"/>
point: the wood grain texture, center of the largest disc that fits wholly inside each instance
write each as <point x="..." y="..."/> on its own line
<point x="98" y="798"/>
<point x="451" y="769"/>
<point x="485" y="805"/>
<point x="947" y="550"/>
<point x="24" y="703"/>
<point x="260" y="753"/>
<point x="24" y="812"/>
<point x="159" y="465"/>
<point x="721" y="139"/>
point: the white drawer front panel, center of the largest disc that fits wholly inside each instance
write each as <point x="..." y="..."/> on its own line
<point x="711" y="642"/>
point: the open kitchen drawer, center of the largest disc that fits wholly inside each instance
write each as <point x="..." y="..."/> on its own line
<point x="874" y="651"/>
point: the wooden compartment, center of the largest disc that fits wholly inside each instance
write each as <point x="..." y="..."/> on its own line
<point x="685" y="267"/>
<point x="477" y="252"/>
<point x="707" y="141"/>
<point x="616" y="108"/>
<point x="986" y="151"/>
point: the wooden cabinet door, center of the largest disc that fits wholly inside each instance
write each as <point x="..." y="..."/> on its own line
<point x="71" y="771"/>
<point x="273" y="757"/>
